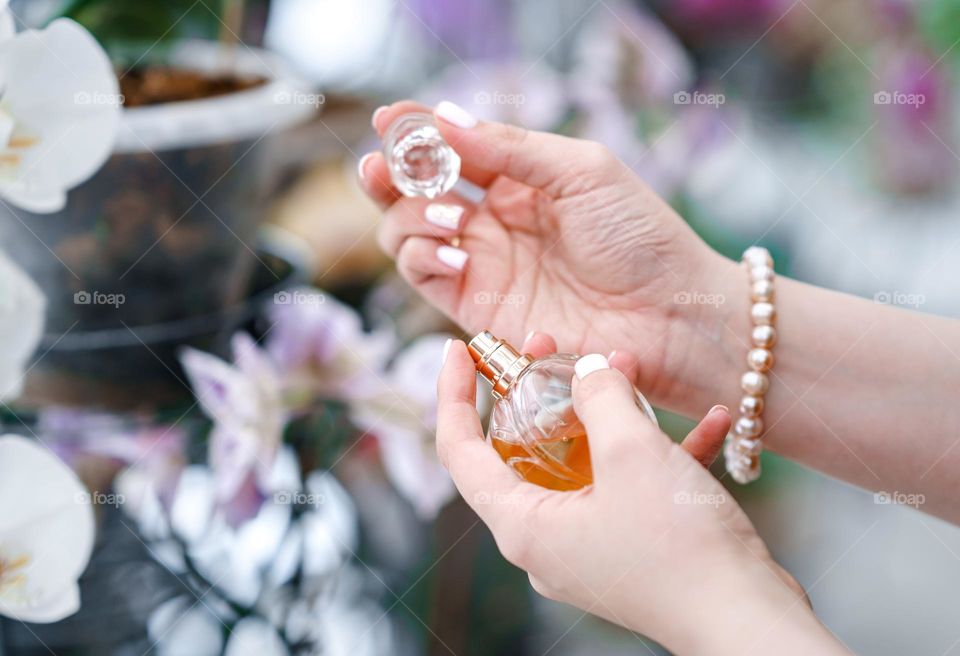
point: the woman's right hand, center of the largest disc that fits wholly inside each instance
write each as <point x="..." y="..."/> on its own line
<point x="655" y="544"/>
<point x="568" y="240"/>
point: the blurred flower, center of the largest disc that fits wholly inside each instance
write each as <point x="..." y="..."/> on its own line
<point x="403" y="417"/>
<point x="46" y="533"/>
<point x="22" y="309"/>
<point x="7" y="25"/>
<point x="340" y="620"/>
<point x="184" y="625"/>
<point x="244" y="401"/>
<point x="322" y="348"/>
<point x="254" y="635"/>
<point x="915" y="130"/>
<point x="625" y="55"/>
<point x="59" y="113"/>
<point x="469" y="29"/>
<point x="722" y="14"/>
<point x="523" y="92"/>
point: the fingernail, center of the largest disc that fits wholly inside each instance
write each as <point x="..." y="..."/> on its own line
<point x="455" y="114"/>
<point x="452" y="257"/>
<point x="373" y="119"/>
<point x="529" y="336"/>
<point x="362" y="165"/>
<point x="590" y="363"/>
<point x="718" y="408"/>
<point x="443" y="215"/>
<point x="446" y="349"/>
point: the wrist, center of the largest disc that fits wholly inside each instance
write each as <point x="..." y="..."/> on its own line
<point x="748" y="609"/>
<point x="708" y="334"/>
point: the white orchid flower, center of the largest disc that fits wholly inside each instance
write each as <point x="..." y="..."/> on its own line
<point x="403" y="418"/>
<point x="22" y="308"/>
<point x="7" y="26"/>
<point x="245" y="403"/>
<point x="46" y="533"/>
<point x="59" y="112"/>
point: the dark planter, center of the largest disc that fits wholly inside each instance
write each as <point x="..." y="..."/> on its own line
<point x="158" y="249"/>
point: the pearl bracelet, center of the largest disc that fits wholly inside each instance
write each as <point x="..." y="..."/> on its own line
<point x="743" y="445"/>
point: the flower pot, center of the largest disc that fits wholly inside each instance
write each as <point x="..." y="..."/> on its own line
<point x="166" y="231"/>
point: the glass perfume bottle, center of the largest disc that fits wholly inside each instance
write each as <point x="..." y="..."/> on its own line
<point x="533" y="426"/>
<point x="420" y="162"/>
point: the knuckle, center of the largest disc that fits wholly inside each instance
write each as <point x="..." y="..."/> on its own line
<point x="541" y="588"/>
<point x="443" y="453"/>
<point x="515" y="547"/>
<point x="597" y="157"/>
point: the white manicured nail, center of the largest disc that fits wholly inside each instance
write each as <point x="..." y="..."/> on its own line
<point x="446" y="349"/>
<point x="590" y="363"/>
<point x="444" y="216"/>
<point x="362" y="165"/>
<point x="455" y="115"/>
<point x="452" y="257"/>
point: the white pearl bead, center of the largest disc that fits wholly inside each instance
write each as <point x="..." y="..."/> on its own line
<point x="751" y="406"/>
<point x="758" y="256"/>
<point x="764" y="336"/>
<point x="754" y="383"/>
<point x="760" y="359"/>
<point x="752" y="447"/>
<point x="763" y="314"/>
<point x="761" y="273"/>
<point x="748" y="426"/>
<point x="761" y="291"/>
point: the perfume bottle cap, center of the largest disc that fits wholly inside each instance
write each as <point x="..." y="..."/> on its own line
<point x="497" y="361"/>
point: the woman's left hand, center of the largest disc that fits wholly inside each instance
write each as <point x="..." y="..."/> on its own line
<point x="656" y="544"/>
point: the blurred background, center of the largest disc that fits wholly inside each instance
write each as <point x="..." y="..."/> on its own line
<point x="826" y="131"/>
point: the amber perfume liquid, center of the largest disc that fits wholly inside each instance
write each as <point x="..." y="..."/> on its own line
<point x="533" y="426"/>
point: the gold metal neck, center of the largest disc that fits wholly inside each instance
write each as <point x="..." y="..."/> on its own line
<point x="497" y="361"/>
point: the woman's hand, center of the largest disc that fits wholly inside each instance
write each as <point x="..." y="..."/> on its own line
<point x="656" y="544"/>
<point x="568" y="239"/>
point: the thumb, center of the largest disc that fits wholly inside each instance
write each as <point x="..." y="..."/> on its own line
<point x="617" y="430"/>
<point x="548" y="162"/>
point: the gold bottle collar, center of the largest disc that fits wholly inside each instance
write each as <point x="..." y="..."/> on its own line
<point x="497" y="361"/>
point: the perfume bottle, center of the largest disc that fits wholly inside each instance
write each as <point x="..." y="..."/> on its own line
<point x="533" y="426"/>
<point x="420" y="162"/>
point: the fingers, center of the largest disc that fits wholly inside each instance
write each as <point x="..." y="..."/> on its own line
<point x="421" y="258"/>
<point x="418" y="217"/>
<point x="375" y="180"/>
<point x="538" y="344"/>
<point x="497" y="495"/>
<point x="538" y="159"/>
<point x="605" y="402"/>
<point x="705" y="441"/>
